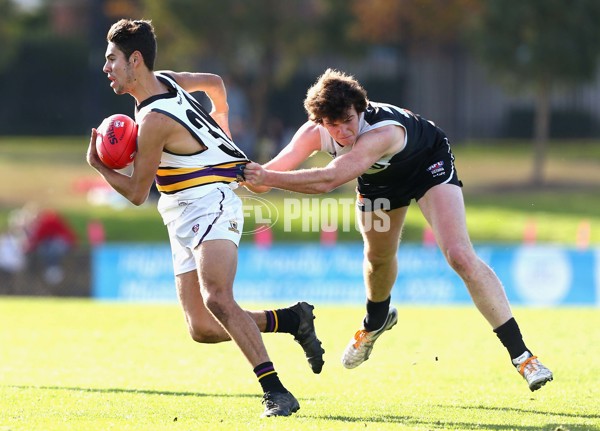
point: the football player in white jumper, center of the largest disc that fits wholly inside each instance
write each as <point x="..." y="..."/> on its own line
<point x="191" y="156"/>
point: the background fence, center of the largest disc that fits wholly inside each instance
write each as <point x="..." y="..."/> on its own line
<point x="532" y="275"/>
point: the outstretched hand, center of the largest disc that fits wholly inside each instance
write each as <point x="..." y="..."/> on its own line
<point x="254" y="174"/>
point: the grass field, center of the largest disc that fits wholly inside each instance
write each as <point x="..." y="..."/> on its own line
<point x="68" y="364"/>
<point x="82" y="365"/>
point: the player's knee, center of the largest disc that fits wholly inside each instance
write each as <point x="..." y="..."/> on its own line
<point x="218" y="305"/>
<point x="462" y="259"/>
<point x="378" y="258"/>
<point x="203" y="334"/>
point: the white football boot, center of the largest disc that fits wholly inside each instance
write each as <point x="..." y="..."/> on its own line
<point x="359" y="348"/>
<point x="532" y="371"/>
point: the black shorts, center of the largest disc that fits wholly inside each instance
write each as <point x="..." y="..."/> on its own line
<point x="433" y="168"/>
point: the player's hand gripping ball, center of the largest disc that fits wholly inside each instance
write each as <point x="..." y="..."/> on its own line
<point x="116" y="141"/>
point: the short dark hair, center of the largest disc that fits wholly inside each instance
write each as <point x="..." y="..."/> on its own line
<point x="134" y="35"/>
<point x="332" y="95"/>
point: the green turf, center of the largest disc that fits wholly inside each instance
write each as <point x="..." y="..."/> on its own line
<point x="82" y="365"/>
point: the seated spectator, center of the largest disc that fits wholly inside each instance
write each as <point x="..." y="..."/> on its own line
<point x="49" y="236"/>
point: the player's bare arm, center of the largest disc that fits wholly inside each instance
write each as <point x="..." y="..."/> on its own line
<point x="153" y="131"/>
<point x="214" y="87"/>
<point x="304" y="143"/>
<point x="368" y="149"/>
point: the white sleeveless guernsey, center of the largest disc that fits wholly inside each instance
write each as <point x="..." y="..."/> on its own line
<point x="183" y="177"/>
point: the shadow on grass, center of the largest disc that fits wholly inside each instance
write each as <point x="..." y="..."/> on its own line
<point x="462" y="425"/>
<point x="524" y="411"/>
<point x="405" y="420"/>
<point x="137" y="391"/>
<point x="417" y="421"/>
<point x="433" y="424"/>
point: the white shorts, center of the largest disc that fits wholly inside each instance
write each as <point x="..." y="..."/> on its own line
<point x="217" y="215"/>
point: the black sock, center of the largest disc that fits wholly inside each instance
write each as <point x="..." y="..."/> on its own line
<point x="282" y="320"/>
<point x="376" y="314"/>
<point x="510" y="336"/>
<point x="268" y="379"/>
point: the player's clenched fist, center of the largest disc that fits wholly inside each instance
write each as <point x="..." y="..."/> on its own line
<point x="254" y="174"/>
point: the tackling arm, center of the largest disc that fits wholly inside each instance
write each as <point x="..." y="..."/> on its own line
<point x="303" y="144"/>
<point x="369" y="148"/>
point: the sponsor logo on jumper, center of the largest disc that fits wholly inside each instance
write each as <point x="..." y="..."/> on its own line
<point x="437" y="169"/>
<point x="196" y="228"/>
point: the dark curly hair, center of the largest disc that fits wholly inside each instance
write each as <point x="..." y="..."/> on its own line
<point x="332" y="95"/>
<point x="134" y="35"/>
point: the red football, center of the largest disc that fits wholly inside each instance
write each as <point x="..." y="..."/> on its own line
<point x="116" y="142"/>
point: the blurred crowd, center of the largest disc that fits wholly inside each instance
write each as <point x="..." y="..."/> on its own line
<point x="38" y="236"/>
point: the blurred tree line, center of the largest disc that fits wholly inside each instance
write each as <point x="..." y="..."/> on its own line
<point x="270" y="51"/>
